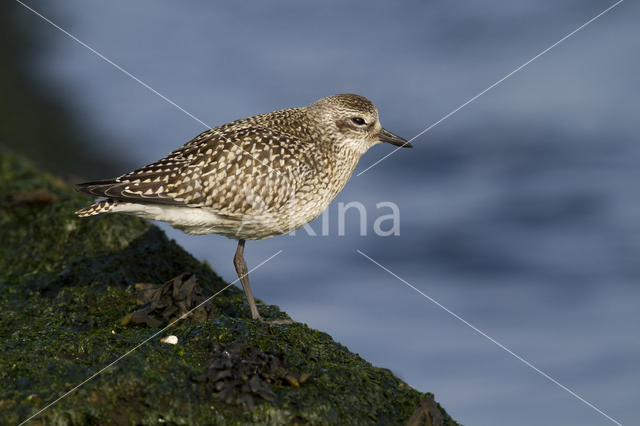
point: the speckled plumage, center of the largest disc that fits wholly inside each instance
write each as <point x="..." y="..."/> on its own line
<point x="250" y="179"/>
<point x="253" y="178"/>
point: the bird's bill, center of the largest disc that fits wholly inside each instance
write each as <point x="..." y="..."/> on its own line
<point x="387" y="136"/>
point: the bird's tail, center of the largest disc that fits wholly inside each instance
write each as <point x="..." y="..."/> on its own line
<point x="105" y="206"/>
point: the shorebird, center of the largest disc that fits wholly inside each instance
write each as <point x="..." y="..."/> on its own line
<point x="253" y="178"/>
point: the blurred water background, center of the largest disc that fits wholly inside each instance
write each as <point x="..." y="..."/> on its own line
<point x="520" y="213"/>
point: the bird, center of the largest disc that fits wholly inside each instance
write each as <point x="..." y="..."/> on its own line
<point x="253" y="178"/>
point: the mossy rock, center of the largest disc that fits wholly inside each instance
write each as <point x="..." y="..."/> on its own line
<point x="67" y="282"/>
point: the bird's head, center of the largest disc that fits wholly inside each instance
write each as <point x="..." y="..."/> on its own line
<point x="354" y="121"/>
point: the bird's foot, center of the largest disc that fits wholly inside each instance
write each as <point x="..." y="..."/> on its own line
<point x="273" y="322"/>
<point x="278" y="322"/>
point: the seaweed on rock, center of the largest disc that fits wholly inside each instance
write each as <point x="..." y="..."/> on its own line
<point x="65" y="285"/>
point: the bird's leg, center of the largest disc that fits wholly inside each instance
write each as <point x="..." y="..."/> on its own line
<point x="243" y="274"/>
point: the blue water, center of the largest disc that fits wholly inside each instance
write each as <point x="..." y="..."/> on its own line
<point x="519" y="214"/>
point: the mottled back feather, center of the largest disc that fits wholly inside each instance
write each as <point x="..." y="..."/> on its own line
<point x="222" y="167"/>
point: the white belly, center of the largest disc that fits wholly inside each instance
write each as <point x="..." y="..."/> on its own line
<point x="203" y="220"/>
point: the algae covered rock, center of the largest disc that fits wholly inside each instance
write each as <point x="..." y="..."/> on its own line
<point x="66" y="284"/>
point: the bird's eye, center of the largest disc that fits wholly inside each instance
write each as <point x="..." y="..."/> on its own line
<point x="359" y="121"/>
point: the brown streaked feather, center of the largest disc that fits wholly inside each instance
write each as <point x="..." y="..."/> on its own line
<point x="264" y="166"/>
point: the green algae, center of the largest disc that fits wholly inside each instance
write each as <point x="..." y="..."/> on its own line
<point x="65" y="285"/>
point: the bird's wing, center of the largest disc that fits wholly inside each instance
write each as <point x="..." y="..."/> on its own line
<point x="233" y="169"/>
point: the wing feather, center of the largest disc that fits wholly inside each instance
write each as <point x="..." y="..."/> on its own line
<point x="238" y="168"/>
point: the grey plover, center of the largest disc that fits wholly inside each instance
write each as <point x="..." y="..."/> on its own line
<point x="253" y="178"/>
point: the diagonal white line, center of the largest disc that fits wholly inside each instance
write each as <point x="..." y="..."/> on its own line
<point x="144" y="342"/>
<point x="120" y="68"/>
<point x="493" y="85"/>
<point x="494" y="341"/>
<point x="153" y="90"/>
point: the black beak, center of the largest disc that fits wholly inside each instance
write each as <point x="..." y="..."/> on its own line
<point x="387" y="136"/>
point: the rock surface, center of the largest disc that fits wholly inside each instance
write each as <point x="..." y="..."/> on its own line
<point x="66" y="284"/>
